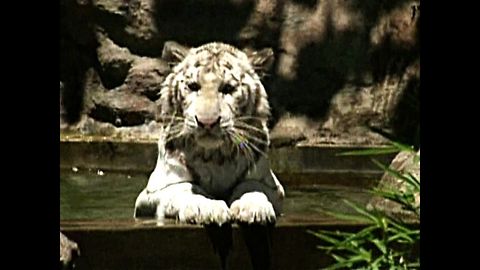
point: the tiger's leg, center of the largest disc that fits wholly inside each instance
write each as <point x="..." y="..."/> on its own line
<point x="183" y="201"/>
<point x="221" y="240"/>
<point x="254" y="206"/>
<point x="258" y="239"/>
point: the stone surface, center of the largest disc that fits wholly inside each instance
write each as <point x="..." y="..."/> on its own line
<point x="145" y="77"/>
<point x="398" y="26"/>
<point x="129" y="23"/>
<point x="115" y="62"/>
<point x="122" y="109"/>
<point x="291" y="129"/>
<point x="339" y="65"/>
<point x="404" y="163"/>
<point x="344" y="70"/>
<point x="88" y="126"/>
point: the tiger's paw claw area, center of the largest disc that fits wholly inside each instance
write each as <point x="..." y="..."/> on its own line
<point x="253" y="207"/>
<point x="204" y="211"/>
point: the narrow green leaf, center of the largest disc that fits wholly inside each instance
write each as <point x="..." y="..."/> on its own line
<point x="343" y="216"/>
<point x="361" y="234"/>
<point x="328" y="249"/>
<point x="395" y="173"/>
<point x="336" y="233"/>
<point x="402" y="147"/>
<point x="414" y="264"/>
<point x="377" y="262"/>
<point x="401" y="235"/>
<point x="402" y="228"/>
<point x="401" y="198"/>
<point x="362" y="211"/>
<point x="326" y="238"/>
<point x="338" y="258"/>
<point x="359" y="258"/>
<point x="414" y="179"/>
<point x="366" y="254"/>
<point x="380" y="245"/>
<point x="370" y="152"/>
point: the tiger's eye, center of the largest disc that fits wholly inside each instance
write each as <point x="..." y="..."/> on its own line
<point x="227" y="88"/>
<point x="194" y="86"/>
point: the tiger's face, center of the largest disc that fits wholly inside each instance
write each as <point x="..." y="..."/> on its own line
<point x="214" y="95"/>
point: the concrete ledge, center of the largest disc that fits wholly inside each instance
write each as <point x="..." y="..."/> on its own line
<point x="185" y="247"/>
<point x="188" y="247"/>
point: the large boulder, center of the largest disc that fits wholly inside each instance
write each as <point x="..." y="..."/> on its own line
<point x="122" y="109"/>
<point x="405" y="162"/>
<point x="145" y="76"/>
<point x="115" y="61"/>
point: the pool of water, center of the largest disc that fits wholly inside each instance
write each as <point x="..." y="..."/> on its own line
<point x="93" y="195"/>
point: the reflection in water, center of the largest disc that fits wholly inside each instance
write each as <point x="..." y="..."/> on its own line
<point x="88" y="195"/>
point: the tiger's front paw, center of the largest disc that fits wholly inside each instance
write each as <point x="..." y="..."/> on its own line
<point x="204" y="211"/>
<point x="253" y="207"/>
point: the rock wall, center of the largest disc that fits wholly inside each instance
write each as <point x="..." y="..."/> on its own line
<point x="345" y="70"/>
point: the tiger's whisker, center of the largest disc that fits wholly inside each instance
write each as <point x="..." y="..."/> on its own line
<point x="250" y="117"/>
<point x="247" y="126"/>
<point x="251" y="155"/>
<point x="253" y="138"/>
<point x="241" y="144"/>
<point x="173" y="135"/>
<point x="256" y="148"/>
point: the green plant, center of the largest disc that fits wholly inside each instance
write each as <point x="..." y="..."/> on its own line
<point x="386" y="242"/>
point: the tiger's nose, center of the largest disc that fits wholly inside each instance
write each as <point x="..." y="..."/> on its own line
<point x="207" y="123"/>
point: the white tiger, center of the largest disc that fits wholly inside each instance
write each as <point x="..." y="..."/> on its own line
<point x="212" y="165"/>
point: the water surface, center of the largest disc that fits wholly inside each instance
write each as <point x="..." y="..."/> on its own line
<point x="90" y="195"/>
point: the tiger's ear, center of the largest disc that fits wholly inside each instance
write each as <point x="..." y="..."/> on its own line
<point x="173" y="52"/>
<point x="261" y="61"/>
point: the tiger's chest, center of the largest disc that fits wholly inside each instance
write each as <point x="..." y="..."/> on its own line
<point x="217" y="178"/>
